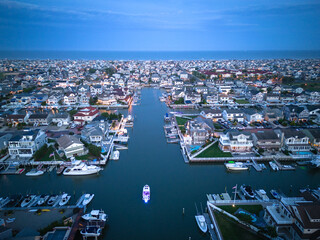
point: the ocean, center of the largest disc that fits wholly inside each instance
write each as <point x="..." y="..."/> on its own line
<point x="160" y="55"/>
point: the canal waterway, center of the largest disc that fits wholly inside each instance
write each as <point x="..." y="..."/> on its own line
<point x="174" y="184"/>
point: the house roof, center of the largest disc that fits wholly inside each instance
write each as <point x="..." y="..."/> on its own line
<point x="67" y="140"/>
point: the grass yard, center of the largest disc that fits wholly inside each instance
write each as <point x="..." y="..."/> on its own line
<point x="213" y="151"/>
<point x="232" y="231"/>
<point x="181" y="121"/>
<point x="242" y="101"/>
<point x="46" y="154"/>
<point x="85" y="157"/>
<point x="255" y="209"/>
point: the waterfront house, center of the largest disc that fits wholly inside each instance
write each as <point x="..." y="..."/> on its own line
<point x="95" y="133"/>
<point x="4" y="138"/>
<point x="294" y="140"/>
<point x="71" y="146"/>
<point x="236" y="141"/>
<point x="199" y="129"/>
<point x="233" y="115"/>
<point x="26" y="143"/>
<point x="314" y="137"/>
<point x="267" y="140"/>
<point x="85" y="115"/>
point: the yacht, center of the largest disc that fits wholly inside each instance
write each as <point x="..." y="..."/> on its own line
<point x="201" y="221"/>
<point x="87" y="199"/>
<point x="42" y="199"/>
<point x="95" y="215"/>
<point x="262" y="195"/>
<point x="27" y="200"/>
<point x="91" y="231"/>
<point x="247" y="191"/>
<point x="34" y="172"/>
<point x="236" y="166"/>
<point x="64" y="199"/>
<point x="81" y="169"/>
<point x="146" y="193"/>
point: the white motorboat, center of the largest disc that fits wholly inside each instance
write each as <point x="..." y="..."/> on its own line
<point x="81" y="169"/>
<point x="201" y="221"/>
<point x="34" y="172"/>
<point x="52" y="199"/>
<point x="275" y="194"/>
<point x="87" y="199"/>
<point x="27" y="200"/>
<point x="146" y="193"/>
<point x="274" y="166"/>
<point x="247" y="191"/>
<point x="95" y="215"/>
<point x="315" y="163"/>
<point x="42" y="199"/>
<point x="262" y="195"/>
<point x="115" y="155"/>
<point x="236" y="166"/>
<point x="64" y="199"/>
<point x="91" y="231"/>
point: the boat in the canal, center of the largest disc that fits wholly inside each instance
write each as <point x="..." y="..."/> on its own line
<point x="60" y="169"/>
<point x="81" y="169"/>
<point x="42" y="199"/>
<point x="146" y="193"/>
<point x="274" y="166"/>
<point x="236" y="166"/>
<point x="91" y="231"/>
<point x="115" y="155"/>
<point x="64" y="199"/>
<point x="201" y="221"/>
<point x="247" y="191"/>
<point x="275" y="194"/>
<point x="28" y="199"/>
<point x="34" y="173"/>
<point x="95" y="215"/>
<point x="87" y="199"/>
<point x="53" y="199"/>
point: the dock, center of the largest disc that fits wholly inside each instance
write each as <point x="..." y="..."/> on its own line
<point x="256" y="166"/>
<point x="210" y="229"/>
<point x="283" y="167"/>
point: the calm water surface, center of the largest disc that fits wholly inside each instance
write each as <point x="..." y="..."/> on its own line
<point x="174" y="184"/>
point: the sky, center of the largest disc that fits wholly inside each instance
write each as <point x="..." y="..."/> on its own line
<point x="160" y="25"/>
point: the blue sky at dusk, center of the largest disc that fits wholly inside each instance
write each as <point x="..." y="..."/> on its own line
<point x="158" y="25"/>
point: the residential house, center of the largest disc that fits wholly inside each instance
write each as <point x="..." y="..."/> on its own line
<point x="62" y="118"/>
<point x="233" y="115"/>
<point x="71" y="146"/>
<point x="295" y="113"/>
<point x="199" y="129"/>
<point x="70" y="99"/>
<point x="95" y="133"/>
<point x="267" y="140"/>
<point x="15" y="119"/>
<point x="253" y="115"/>
<point x="314" y="137"/>
<point x="40" y="119"/>
<point x="85" y="115"/>
<point x="26" y="143"/>
<point x="213" y="114"/>
<point x="235" y="141"/>
<point x="294" y="140"/>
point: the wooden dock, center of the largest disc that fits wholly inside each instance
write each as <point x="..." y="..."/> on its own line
<point x="210" y="229"/>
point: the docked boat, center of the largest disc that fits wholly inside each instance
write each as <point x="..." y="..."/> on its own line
<point x="201" y="221"/>
<point x="64" y="199"/>
<point x="261" y="194"/>
<point x="52" y="200"/>
<point x="274" y="166"/>
<point x="315" y="163"/>
<point x="275" y="194"/>
<point x="87" y="199"/>
<point x="247" y="191"/>
<point x="27" y="200"/>
<point x="42" y="199"/>
<point x="115" y="155"/>
<point x="95" y="215"/>
<point x="91" y="231"/>
<point x="81" y="169"/>
<point x="236" y="166"/>
<point x="60" y="170"/>
<point x="34" y="172"/>
<point x="146" y="193"/>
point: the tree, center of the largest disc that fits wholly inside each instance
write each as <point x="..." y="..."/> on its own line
<point x="92" y="70"/>
<point x="60" y="102"/>
<point x="269" y="89"/>
<point x="72" y="112"/>
<point x="94" y="150"/>
<point x="288" y="80"/>
<point x="109" y="71"/>
<point x="43" y="103"/>
<point x="179" y="101"/>
<point x="93" y="100"/>
<point x="2" y="76"/>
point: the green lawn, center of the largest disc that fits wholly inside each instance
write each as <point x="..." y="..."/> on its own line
<point x="255" y="209"/>
<point x="232" y="231"/>
<point x="213" y="151"/>
<point x="46" y="157"/>
<point x="181" y="121"/>
<point x="85" y="157"/>
<point x="241" y="101"/>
